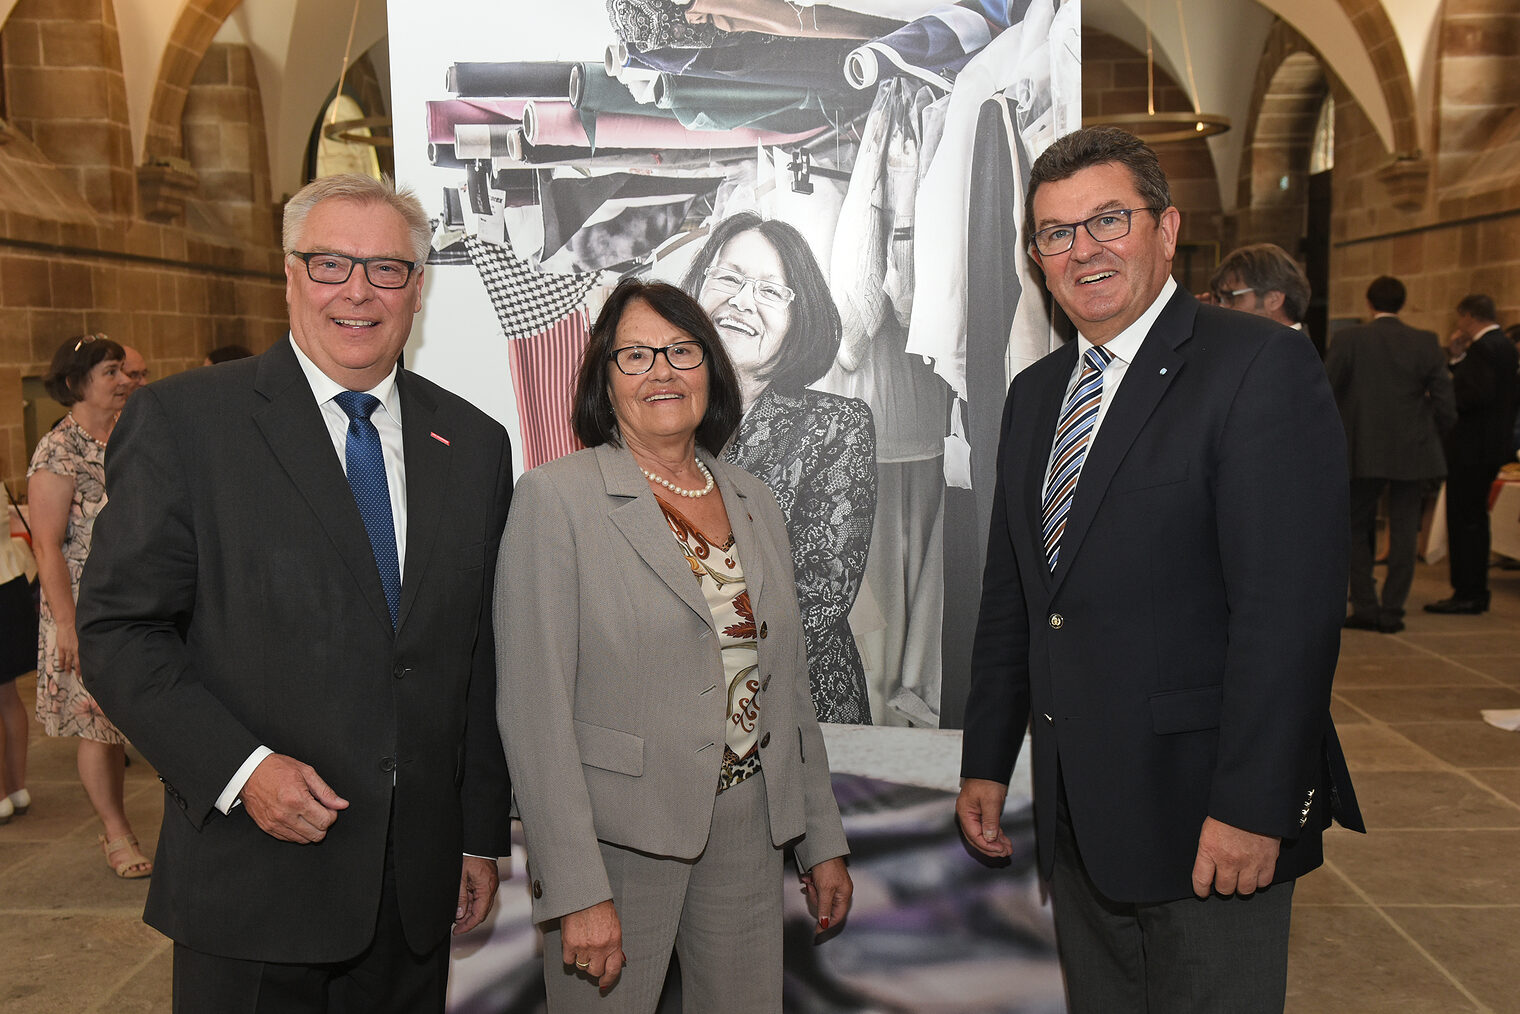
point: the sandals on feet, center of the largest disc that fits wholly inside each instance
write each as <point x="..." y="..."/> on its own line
<point x="135" y="866"/>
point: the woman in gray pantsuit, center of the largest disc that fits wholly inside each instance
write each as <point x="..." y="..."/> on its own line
<point x="653" y="685"/>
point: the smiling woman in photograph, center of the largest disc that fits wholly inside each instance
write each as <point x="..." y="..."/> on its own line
<point x="652" y="685"/>
<point x="770" y="304"/>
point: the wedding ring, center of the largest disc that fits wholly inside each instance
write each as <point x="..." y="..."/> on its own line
<point x="583" y="964"/>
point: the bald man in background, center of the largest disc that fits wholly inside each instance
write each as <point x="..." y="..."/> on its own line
<point x="135" y="368"/>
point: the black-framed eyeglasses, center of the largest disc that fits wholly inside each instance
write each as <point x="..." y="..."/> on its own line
<point x="636" y="360"/>
<point x="1104" y="227"/>
<point x="731" y="283"/>
<point x="335" y="269"/>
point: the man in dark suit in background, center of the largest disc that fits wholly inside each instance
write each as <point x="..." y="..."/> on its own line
<point x="287" y="610"/>
<point x="1483" y="364"/>
<point x="1395" y="396"/>
<point x="1165" y="583"/>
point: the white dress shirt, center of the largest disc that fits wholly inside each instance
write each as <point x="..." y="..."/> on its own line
<point x="387" y="420"/>
<point x="1123" y="346"/>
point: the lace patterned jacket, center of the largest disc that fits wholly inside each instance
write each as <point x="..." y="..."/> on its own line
<point x="817" y="453"/>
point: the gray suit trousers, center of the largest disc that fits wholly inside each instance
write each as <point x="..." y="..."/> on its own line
<point x="720" y="913"/>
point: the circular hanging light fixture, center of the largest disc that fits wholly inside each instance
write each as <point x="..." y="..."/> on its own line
<point x="1160" y="128"/>
<point x="354" y="131"/>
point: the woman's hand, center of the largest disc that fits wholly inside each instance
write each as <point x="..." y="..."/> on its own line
<point x="828" y="888"/>
<point x="592" y="941"/>
<point x="68" y="647"/>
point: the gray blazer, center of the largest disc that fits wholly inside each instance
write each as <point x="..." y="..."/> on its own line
<point x="611" y="697"/>
<point x="1395" y="395"/>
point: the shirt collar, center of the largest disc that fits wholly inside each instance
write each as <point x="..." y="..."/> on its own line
<point x="1491" y="327"/>
<point x="1126" y="343"/>
<point x="325" y="388"/>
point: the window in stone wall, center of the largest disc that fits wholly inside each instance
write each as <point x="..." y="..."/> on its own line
<point x="1322" y="155"/>
<point x="334" y="155"/>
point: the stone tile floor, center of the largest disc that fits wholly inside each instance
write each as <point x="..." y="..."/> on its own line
<point x="1420" y="915"/>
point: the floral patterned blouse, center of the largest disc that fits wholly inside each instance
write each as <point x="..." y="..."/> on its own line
<point x="717" y="570"/>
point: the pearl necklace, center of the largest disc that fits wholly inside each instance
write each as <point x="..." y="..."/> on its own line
<point x="677" y="490"/>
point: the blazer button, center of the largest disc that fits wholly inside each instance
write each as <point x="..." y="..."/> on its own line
<point x="400" y="671"/>
<point x="538" y="889"/>
<point x="387" y="763"/>
<point x="765" y="684"/>
<point x="765" y="741"/>
<point x="1056" y="621"/>
<point x="763" y="630"/>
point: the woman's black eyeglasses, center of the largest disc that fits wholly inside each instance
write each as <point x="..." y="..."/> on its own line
<point x="636" y="360"/>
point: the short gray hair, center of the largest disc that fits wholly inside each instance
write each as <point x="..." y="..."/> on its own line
<point x="363" y="190"/>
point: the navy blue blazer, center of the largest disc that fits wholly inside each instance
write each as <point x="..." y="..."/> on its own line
<point x="1177" y="663"/>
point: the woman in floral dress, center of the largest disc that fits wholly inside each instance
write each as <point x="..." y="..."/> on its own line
<point x="66" y="489"/>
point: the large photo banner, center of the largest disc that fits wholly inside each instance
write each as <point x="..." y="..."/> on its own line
<point x="841" y="187"/>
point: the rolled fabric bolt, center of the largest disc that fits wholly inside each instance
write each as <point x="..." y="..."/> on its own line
<point x="443" y="156"/>
<point x="559" y="123"/>
<point x="446" y="114"/>
<point x="530" y="79"/>
<point x="483" y="140"/>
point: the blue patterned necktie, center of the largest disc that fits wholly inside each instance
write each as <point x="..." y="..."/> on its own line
<point x="366" y="476"/>
<point x="1073" y="433"/>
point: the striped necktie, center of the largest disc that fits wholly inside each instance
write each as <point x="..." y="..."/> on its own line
<point x="1073" y="433"/>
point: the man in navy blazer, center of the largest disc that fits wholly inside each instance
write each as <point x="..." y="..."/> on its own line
<point x="287" y="612"/>
<point x="1175" y="662"/>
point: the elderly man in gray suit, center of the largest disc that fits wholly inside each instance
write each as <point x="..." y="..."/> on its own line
<point x="1395" y="396"/>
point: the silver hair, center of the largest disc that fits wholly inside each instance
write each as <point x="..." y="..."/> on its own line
<point x="363" y="190"/>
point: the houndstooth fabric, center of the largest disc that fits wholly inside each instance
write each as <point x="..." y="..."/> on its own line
<point x="526" y="301"/>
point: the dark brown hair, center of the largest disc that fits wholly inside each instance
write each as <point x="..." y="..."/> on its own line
<point x="1479" y="307"/>
<point x="592" y="415"/>
<point x="1386" y="294"/>
<point x="72" y="363"/>
<point x="812" y="339"/>
<point x="1263" y="268"/>
<point x="1094" y="146"/>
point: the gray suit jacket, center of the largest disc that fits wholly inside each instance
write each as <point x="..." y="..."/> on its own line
<point x="611" y="696"/>
<point x="1395" y="395"/>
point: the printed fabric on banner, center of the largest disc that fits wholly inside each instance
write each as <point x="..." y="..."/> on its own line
<point x="544" y="319"/>
<point x="543" y="379"/>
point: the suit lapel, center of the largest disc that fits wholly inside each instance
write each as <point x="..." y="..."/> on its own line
<point x="427" y="473"/>
<point x="292" y="426"/>
<point x="1146" y="380"/>
<point x="637" y="515"/>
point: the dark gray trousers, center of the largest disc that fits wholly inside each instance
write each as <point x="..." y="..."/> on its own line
<point x="1193" y="955"/>
<point x="1405" y="498"/>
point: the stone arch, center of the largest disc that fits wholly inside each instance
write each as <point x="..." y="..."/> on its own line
<point x="1381" y="42"/>
<point x="197" y="26"/>
<point x="1291" y="84"/>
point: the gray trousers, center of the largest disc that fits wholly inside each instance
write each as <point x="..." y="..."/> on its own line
<point x="720" y="913"/>
<point x="1192" y="956"/>
<point x="1405" y="498"/>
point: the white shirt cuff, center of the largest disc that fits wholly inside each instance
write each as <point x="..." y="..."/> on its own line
<point x="229" y="797"/>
